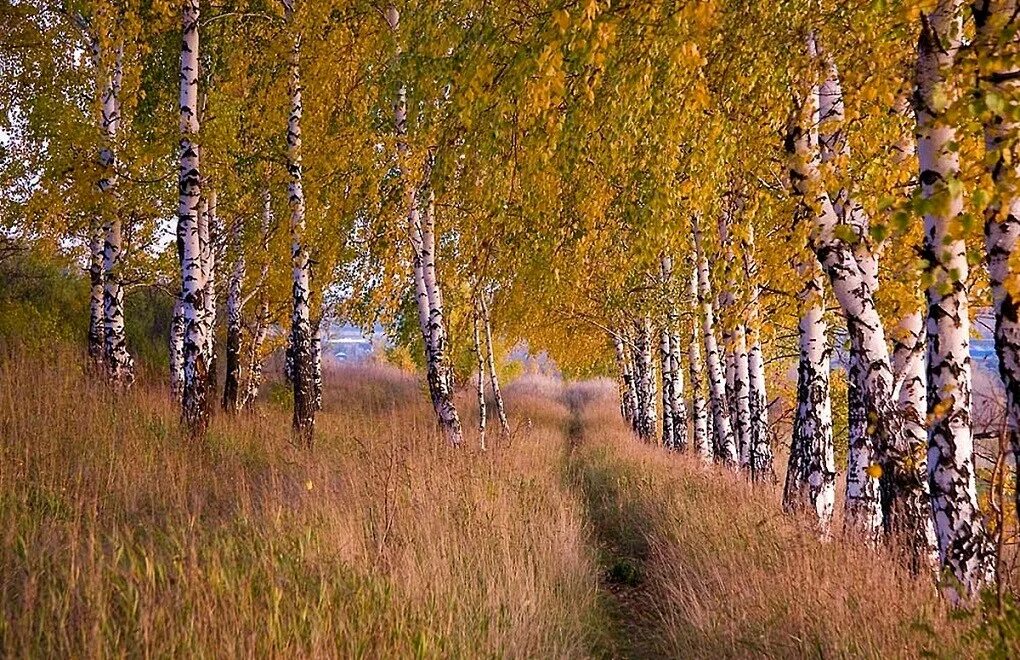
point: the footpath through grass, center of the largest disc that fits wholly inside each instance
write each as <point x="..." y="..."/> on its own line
<point x="694" y="563"/>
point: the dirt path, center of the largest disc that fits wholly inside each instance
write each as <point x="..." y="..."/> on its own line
<point x="621" y="547"/>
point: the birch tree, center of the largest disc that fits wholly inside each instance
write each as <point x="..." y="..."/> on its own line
<point x="725" y="447"/>
<point x="300" y="328"/>
<point x="997" y="46"/>
<point x="963" y="545"/>
<point x="196" y="328"/>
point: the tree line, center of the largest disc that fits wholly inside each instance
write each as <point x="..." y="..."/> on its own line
<point x="695" y="196"/>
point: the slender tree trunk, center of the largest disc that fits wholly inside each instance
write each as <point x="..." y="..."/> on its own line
<point x="862" y="489"/>
<point x="119" y="365"/>
<point x="421" y="226"/>
<point x="699" y="407"/>
<point x="998" y="46"/>
<point x="676" y="403"/>
<point x="477" y="336"/>
<point x="300" y="329"/>
<point x="812" y="467"/>
<point x="865" y="510"/>
<point x="235" y="302"/>
<point x="628" y="389"/>
<point x="665" y="358"/>
<point x="261" y="330"/>
<point x="761" y="458"/>
<point x="177" y="328"/>
<point x="194" y="406"/>
<point x="497" y="394"/>
<point x="740" y="394"/>
<point x="674" y="411"/>
<point x="95" y="333"/>
<point x="725" y="445"/>
<point x="963" y="544"/>
<point x="212" y="232"/>
<point x="645" y="374"/>
<point x="251" y="389"/>
<point x="317" y="331"/>
<point x="440" y="373"/>
<point x="909" y="367"/>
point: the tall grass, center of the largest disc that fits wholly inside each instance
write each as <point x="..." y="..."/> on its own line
<point x="119" y="537"/>
<point x="714" y="569"/>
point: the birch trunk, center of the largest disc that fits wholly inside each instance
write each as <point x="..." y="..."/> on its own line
<point x="254" y="382"/>
<point x="480" y="363"/>
<point x="740" y="395"/>
<point x="867" y="338"/>
<point x="95" y="332"/>
<point x="421" y="228"/>
<point x="761" y="458"/>
<point x="261" y="329"/>
<point x="725" y="444"/>
<point x="998" y="46"/>
<point x="909" y="367"/>
<point x="811" y="475"/>
<point x="863" y="491"/>
<point x="177" y="329"/>
<point x="665" y="358"/>
<point x="963" y="544"/>
<point x="119" y="365"/>
<point x="628" y="390"/>
<point x="235" y="302"/>
<point x="212" y="231"/>
<point x="195" y="410"/>
<point x="317" y="333"/>
<point x="645" y="373"/>
<point x="677" y="404"/>
<point x="302" y="375"/>
<point x="497" y="394"/>
<point x="702" y="444"/>
<point x="674" y="411"/>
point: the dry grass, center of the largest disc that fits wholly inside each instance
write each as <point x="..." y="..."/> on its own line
<point x="120" y="538"/>
<point x="715" y="570"/>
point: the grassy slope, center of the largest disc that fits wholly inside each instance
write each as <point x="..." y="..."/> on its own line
<point x="119" y="537"/>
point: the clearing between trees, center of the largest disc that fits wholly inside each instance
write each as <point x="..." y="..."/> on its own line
<point x="123" y="537"/>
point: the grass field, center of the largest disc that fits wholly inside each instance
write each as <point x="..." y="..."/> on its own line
<point x="571" y="540"/>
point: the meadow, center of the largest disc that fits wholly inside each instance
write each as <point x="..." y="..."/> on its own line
<point x="570" y="539"/>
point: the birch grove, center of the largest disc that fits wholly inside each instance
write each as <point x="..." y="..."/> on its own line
<point x="736" y="228"/>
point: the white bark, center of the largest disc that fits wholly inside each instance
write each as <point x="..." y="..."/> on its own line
<point x="628" y="388"/>
<point x="864" y="326"/>
<point x="740" y="394"/>
<point x="725" y="449"/>
<point x="998" y="43"/>
<point x="95" y="331"/>
<point x="421" y="228"/>
<point x="644" y="373"/>
<point x="699" y="407"/>
<point x="863" y="498"/>
<point x="119" y="365"/>
<point x="301" y="340"/>
<point x="909" y="366"/>
<point x="194" y="399"/>
<point x="811" y="473"/>
<point x="497" y="393"/>
<point x="963" y="543"/>
<point x="674" y="411"/>
<point x="212" y="230"/>
<point x="761" y="458"/>
<point x="480" y="363"/>
<point x="254" y="381"/>
<point x="235" y="303"/>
